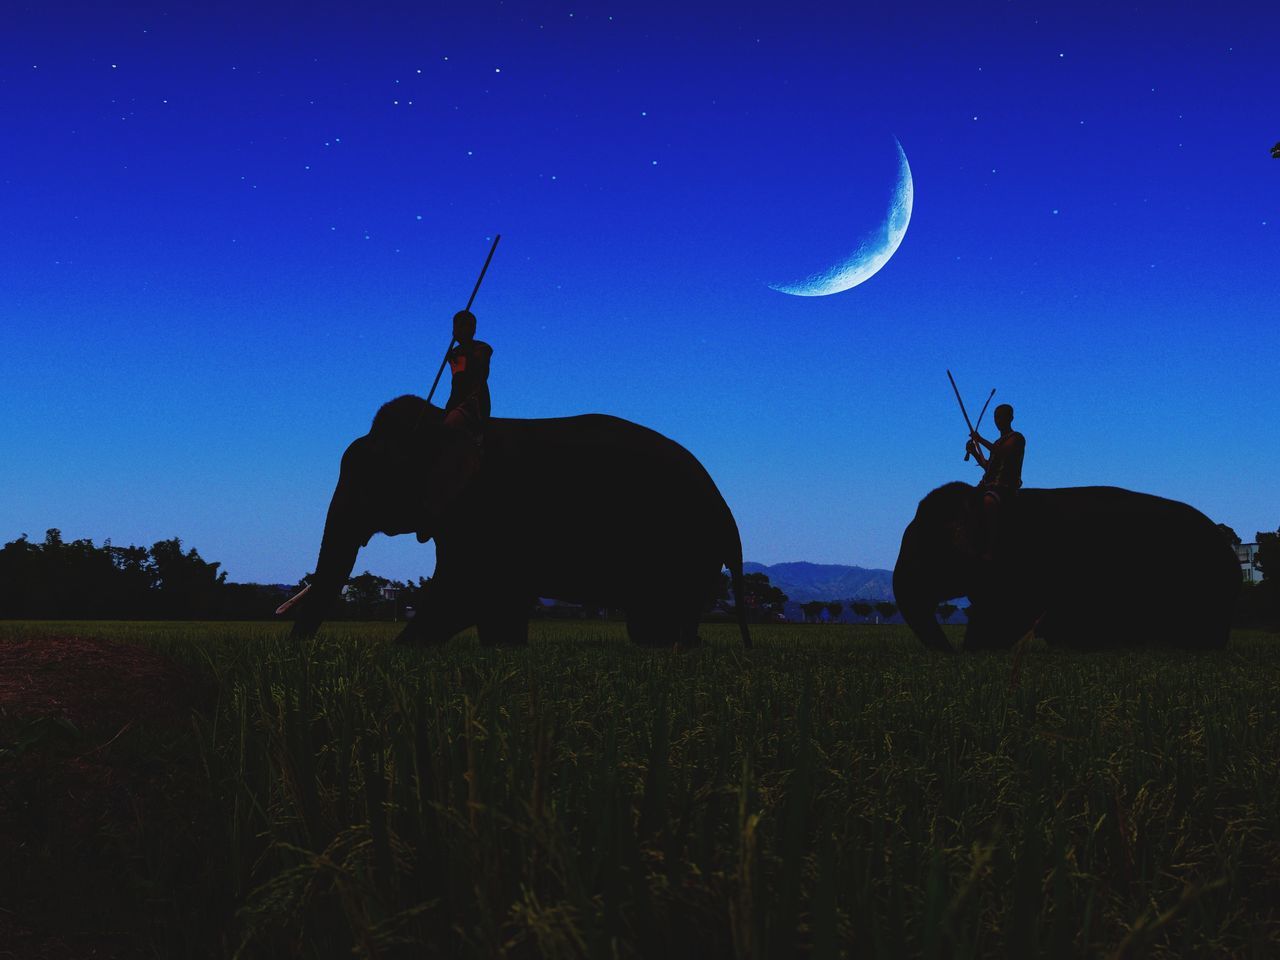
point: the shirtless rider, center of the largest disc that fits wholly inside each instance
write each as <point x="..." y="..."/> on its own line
<point x="1002" y="472"/>
<point x="465" y="418"/>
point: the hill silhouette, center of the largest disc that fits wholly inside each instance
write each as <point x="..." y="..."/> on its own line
<point x="803" y="581"/>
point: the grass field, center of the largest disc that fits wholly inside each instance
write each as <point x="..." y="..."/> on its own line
<point x="835" y="791"/>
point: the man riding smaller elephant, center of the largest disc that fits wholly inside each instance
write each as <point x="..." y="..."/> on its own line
<point x="468" y="405"/>
<point x="1002" y="473"/>
<point x="466" y="416"/>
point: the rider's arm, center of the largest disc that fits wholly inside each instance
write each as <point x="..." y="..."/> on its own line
<point x="481" y="361"/>
<point x="976" y="450"/>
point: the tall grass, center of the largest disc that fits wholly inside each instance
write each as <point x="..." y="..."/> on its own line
<point x="835" y="791"/>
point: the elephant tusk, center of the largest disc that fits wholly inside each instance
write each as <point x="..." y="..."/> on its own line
<point x="284" y="607"/>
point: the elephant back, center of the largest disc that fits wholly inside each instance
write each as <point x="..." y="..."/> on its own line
<point x="596" y="495"/>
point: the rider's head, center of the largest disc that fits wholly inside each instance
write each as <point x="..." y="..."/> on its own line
<point x="1003" y="416"/>
<point x="464" y="326"/>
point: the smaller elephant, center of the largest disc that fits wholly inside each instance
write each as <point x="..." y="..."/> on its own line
<point x="1091" y="567"/>
<point x="590" y="509"/>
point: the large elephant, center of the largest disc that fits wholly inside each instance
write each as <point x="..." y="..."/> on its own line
<point x="589" y="509"/>
<point x="1090" y="567"/>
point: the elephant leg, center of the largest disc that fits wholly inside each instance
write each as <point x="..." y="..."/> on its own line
<point x="647" y="630"/>
<point x="663" y="628"/>
<point x="436" y="621"/>
<point x="688" y="634"/>
<point x="505" y="624"/>
<point x="686" y="625"/>
<point x="1199" y="633"/>
<point x="1186" y="626"/>
<point x="670" y="619"/>
<point x="988" y="629"/>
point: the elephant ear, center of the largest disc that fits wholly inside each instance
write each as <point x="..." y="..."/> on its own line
<point x="446" y="479"/>
<point x="963" y="530"/>
<point x="407" y="434"/>
<point x="404" y="416"/>
<point x="958" y="536"/>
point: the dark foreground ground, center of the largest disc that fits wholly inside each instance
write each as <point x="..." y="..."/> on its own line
<point x="208" y="790"/>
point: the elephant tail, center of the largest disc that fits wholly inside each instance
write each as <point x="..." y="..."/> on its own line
<point x="739" y="591"/>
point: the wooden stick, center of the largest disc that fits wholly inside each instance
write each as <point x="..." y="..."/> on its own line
<point x="470" y="300"/>
<point x="980" y="414"/>
<point x="968" y="422"/>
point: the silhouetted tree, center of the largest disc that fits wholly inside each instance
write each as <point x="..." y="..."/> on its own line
<point x="834" y="609"/>
<point x="945" y="610"/>
<point x="886" y="610"/>
<point x="1232" y="537"/>
<point x="862" y="608"/>
<point x="413" y="594"/>
<point x="134" y="582"/>
<point x="186" y="586"/>
<point x="20" y="579"/>
<point x="1260" y="602"/>
<point x="812" y="610"/>
<point x="76" y="580"/>
<point x="364" y="595"/>
<point x="761" y="597"/>
<point x="86" y="580"/>
<point x="1268" y="557"/>
<point x="250" y="601"/>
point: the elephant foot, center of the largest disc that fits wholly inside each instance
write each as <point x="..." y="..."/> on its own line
<point x="662" y="632"/>
<point x="504" y="631"/>
<point x="424" y="631"/>
<point x="406" y="638"/>
<point x="504" y="642"/>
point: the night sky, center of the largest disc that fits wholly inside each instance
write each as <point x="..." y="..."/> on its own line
<point x="229" y="236"/>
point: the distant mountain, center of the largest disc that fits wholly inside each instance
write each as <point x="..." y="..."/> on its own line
<point x="802" y="581"/>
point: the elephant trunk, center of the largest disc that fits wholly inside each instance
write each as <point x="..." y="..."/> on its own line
<point x="342" y="541"/>
<point x="915" y="595"/>
<point x="919" y="612"/>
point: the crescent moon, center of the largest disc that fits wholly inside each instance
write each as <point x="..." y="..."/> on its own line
<point x="871" y="254"/>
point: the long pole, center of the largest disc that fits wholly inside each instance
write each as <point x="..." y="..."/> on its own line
<point x="981" y="413"/>
<point x="968" y="422"/>
<point x="470" y="300"/>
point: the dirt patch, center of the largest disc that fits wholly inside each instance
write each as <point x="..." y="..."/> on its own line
<point x="101" y="802"/>
<point x="93" y="683"/>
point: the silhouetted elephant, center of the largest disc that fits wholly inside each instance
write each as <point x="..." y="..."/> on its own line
<point x="590" y="509"/>
<point x="1093" y="566"/>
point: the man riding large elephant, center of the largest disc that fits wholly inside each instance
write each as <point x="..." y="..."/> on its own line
<point x="466" y="414"/>
<point x="590" y="509"/>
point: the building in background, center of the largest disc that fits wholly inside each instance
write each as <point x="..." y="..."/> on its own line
<point x="1247" y="554"/>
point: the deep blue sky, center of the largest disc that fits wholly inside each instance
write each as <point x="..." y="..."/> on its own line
<point x="229" y="236"/>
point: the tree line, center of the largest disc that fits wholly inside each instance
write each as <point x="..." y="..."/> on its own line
<point x="77" y="580"/>
<point x="1259" y="603"/>
<point x="881" y="610"/>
